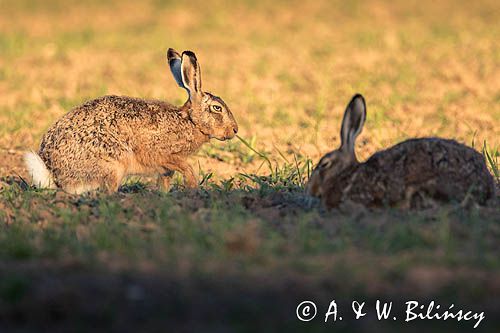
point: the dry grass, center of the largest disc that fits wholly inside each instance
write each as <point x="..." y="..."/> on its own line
<point x="278" y="65"/>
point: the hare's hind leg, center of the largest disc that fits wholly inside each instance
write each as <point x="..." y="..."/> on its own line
<point x="112" y="177"/>
<point x="77" y="182"/>
<point x="80" y="188"/>
<point x="90" y="175"/>
<point x="108" y="183"/>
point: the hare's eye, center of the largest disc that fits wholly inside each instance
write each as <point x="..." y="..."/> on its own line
<point x="216" y="108"/>
<point x="325" y="164"/>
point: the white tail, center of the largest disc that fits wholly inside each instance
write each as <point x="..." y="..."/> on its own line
<point x="40" y="175"/>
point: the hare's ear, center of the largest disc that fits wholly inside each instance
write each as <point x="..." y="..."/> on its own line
<point x="191" y="74"/>
<point x="352" y="124"/>
<point x="174" y="61"/>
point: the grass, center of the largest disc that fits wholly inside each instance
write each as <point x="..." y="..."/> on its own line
<point x="237" y="232"/>
<point x="248" y="245"/>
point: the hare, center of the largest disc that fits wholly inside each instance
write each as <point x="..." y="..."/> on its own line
<point x="416" y="173"/>
<point x="97" y="144"/>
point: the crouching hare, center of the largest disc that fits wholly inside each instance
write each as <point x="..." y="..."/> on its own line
<point x="97" y="144"/>
<point x="416" y="173"/>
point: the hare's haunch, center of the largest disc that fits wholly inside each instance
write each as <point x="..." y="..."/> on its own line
<point x="97" y="144"/>
<point x="412" y="174"/>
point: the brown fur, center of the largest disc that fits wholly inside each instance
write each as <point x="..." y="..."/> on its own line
<point x="97" y="144"/>
<point x="413" y="174"/>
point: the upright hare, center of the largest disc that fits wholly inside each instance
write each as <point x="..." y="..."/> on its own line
<point x="411" y="174"/>
<point x="97" y="144"/>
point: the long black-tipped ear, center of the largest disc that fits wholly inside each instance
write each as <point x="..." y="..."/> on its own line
<point x="191" y="74"/>
<point x="352" y="124"/>
<point x="174" y="61"/>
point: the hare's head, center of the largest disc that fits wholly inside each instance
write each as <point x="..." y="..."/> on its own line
<point x="339" y="160"/>
<point x="208" y="112"/>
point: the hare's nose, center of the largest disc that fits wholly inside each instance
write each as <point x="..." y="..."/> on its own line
<point x="235" y="130"/>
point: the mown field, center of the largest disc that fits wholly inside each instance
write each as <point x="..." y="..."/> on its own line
<point x="242" y="251"/>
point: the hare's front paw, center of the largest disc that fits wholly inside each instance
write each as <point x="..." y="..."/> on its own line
<point x="190" y="180"/>
<point x="164" y="180"/>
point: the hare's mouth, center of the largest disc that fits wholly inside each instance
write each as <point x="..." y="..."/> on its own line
<point x="224" y="138"/>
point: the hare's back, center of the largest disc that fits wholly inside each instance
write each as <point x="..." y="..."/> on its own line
<point x="111" y="110"/>
<point x="416" y="159"/>
<point x="101" y="128"/>
<point x="439" y="168"/>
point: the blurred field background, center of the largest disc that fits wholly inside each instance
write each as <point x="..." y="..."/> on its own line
<point x="426" y="68"/>
<point x="286" y="69"/>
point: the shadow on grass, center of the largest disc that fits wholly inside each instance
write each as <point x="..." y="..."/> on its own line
<point x="73" y="298"/>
